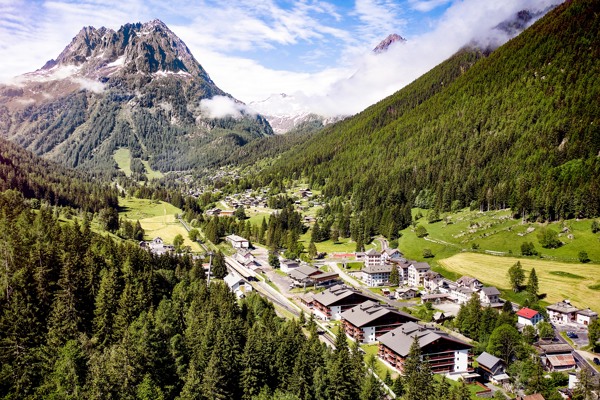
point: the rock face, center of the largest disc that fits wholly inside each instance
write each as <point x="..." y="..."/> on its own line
<point x="385" y="44"/>
<point x="139" y="87"/>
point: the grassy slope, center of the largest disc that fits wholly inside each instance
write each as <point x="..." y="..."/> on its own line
<point x="557" y="286"/>
<point x="157" y="218"/>
<point x="123" y="159"/>
<point x="496" y="231"/>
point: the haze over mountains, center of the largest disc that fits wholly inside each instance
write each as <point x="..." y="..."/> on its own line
<point x="391" y="65"/>
<point x="140" y="88"/>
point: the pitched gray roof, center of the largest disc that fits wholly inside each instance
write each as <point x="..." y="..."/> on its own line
<point x="400" y="339"/>
<point x="369" y="311"/>
<point x="232" y="279"/>
<point x="337" y="293"/>
<point x="562" y="307"/>
<point x="487" y="360"/>
<point x="490" y="291"/>
<point x="421" y="265"/>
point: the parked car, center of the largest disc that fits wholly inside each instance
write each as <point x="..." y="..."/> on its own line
<point x="571" y="334"/>
<point x="596" y="361"/>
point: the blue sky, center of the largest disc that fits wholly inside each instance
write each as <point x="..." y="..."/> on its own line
<point x="253" y="48"/>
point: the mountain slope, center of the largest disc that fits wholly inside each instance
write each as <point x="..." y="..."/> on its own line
<point x="39" y="179"/>
<point x="138" y="87"/>
<point x="519" y="129"/>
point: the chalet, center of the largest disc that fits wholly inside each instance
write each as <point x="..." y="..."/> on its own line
<point x="389" y="254"/>
<point x="288" y="265"/>
<point x="246" y="259"/>
<point x="445" y="353"/>
<point x="527" y="316"/>
<point x="462" y="294"/>
<point x="366" y="322"/>
<point x="560" y="362"/>
<point x="469" y="282"/>
<point x="435" y="298"/>
<point x="432" y="281"/>
<point x="491" y="368"/>
<point x="157" y="246"/>
<point x="406" y="293"/>
<point x="238" y="242"/>
<point x="490" y="296"/>
<point x="303" y="273"/>
<point x="226" y="213"/>
<point x="213" y="212"/>
<point x="372" y="257"/>
<point x="237" y="285"/>
<point x="562" y="312"/>
<point x="376" y="275"/>
<point x="415" y="273"/>
<point x="585" y="317"/>
<point x="330" y="304"/>
<point x="439" y="317"/>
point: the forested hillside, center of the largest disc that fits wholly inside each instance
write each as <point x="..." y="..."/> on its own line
<point x="84" y="317"/>
<point x="519" y="128"/>
<point x="38" y="179"/>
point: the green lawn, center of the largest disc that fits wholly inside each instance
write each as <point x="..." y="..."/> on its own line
<point x="157" y="219"/>
<point x="123" y="159"/>
<point x="497" y="231"/>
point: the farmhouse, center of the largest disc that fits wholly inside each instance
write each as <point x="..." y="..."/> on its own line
<point x="490" y="296"/>
<point x="330" y="304"/>
<point x="469" y="282"/>
<point x="491" y="368"/>
<point x="445" y="352"/>
<point x="238" y="242"/>
<point x="366" y="322"/>
<point x="585" y="317"/>
<point x="406" y="293"/>
<point x="237" y="285"/>
<point x="376" y="275"/>
<point x="462" y="294"/>
<point x="560" y="362"/>
<point x="562" y="312"/>
<point x="157" y="246"/>
<point x="527" y="316"/>
<point x="432" y="281"/>
<point x="389" y="254"/>
<point x="415" y="273"/>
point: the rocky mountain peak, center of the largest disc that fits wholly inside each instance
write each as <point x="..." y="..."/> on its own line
<point x="387" y="42"/>
<point x="147" y="48"/>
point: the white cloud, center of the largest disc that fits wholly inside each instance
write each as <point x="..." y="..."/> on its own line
<point x="89" y="84"/>
<point x="427" y="5"/>
<point x="223" y="106"/>
<point x="378" y="76"/>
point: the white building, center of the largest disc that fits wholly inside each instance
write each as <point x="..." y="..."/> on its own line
<point x="238" y="242"/>
<point x="377" y="275"/>
<point x="585" y="317"/>
<point x="416" y="272"/>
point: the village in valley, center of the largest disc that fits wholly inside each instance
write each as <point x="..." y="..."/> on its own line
<point x="385" y="302"/>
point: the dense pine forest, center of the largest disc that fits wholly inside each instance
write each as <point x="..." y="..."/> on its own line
<point x="45" y="181"/>
<point x="82" y="316"/>
<point x="518" y="128"/>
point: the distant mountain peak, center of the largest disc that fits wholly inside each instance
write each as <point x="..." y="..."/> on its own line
<point x="385" y="44"/>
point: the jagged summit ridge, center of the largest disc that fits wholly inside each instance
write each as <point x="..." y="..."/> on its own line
<point x="385" y="44"/>
<point x="145" y="48"/>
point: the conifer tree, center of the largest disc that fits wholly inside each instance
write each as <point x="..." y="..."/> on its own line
<point x="418" y="378"/>
<point x="394" y="276"/>
<point x="533" y="286"/>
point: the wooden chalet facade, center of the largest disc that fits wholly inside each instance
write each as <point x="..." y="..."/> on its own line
<point x="446" y="354"/>
<point x="366" y="322"/>
<point x="330" y="304"/>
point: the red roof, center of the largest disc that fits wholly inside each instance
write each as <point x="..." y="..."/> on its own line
<point x="527" y="313"/>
